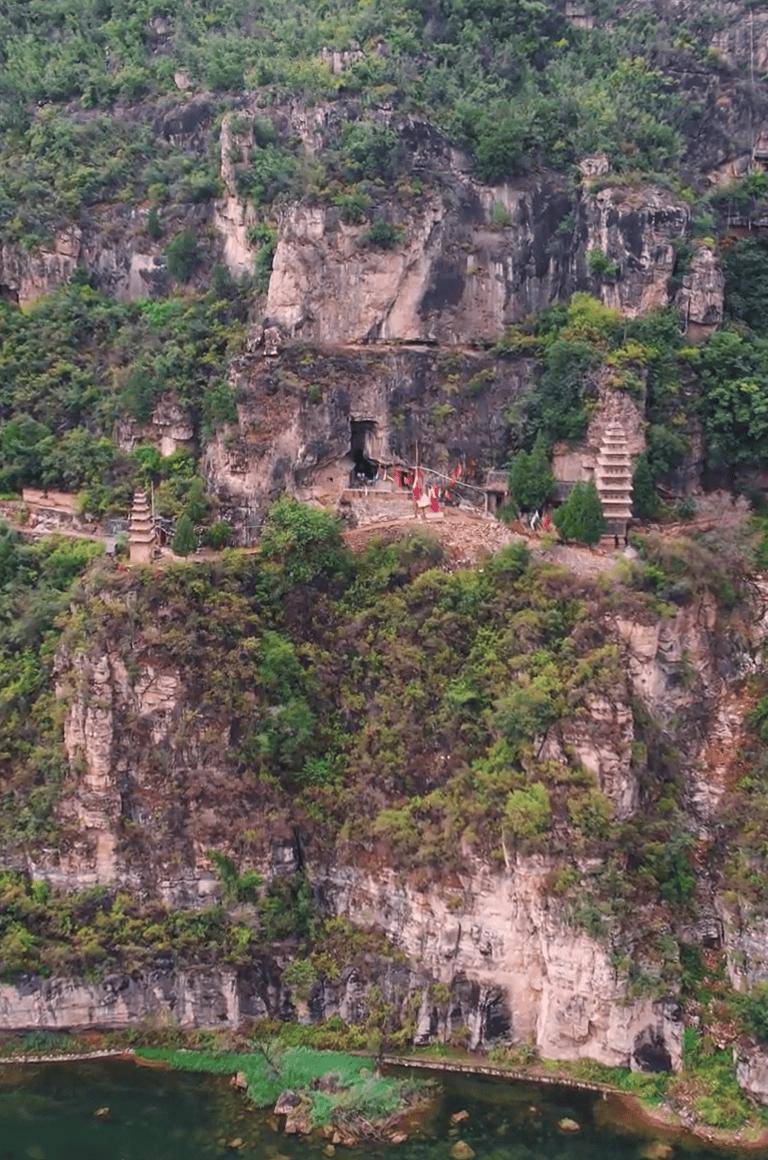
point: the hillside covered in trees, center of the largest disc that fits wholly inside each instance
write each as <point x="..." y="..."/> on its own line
<point x="251" y="252"/>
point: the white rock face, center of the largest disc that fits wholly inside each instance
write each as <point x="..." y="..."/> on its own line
<point x="30" y="275"/>
<point x="195" y="998"/>
<point x="702" y="294"/>
<point x="636" y="229"/>
<point x="560" y="989"/>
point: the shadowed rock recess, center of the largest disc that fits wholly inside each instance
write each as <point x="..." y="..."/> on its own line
<point x="260" y="261"/>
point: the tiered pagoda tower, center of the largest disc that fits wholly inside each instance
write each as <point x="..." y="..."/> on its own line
<point x="141" y="537"/>
<point x="613" y="479"/>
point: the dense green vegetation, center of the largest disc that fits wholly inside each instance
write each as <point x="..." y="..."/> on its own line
<point x="350" y="1086"/>
<point x="47" y="933"/>
<point x="342" y="681"/>
<point x="77" y="362"/>
<point x="512" y="80"/>
<point x="37" y="583"/>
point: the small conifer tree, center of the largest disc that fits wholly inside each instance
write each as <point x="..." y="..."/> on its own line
<point x="154" y="225"/>
<point x="581" y="516"/>
<point x="184" y="538"/>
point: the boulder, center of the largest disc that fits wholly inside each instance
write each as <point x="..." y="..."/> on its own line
<point x="327" y="1083"/>
<point x="566" y="1125"/>
<point x="239" y="1081"/>
<point x="297" y="1111"/>
<point x="656" y="1150"/>
<point x="287" y="1101"/>
<point x="462" y="1151"/>
<point x="459" y="1117"/>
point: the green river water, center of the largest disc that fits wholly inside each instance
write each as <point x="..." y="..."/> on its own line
<point x="47" y="1113"/>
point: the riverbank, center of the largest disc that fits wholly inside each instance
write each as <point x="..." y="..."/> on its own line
<point x="636" y="1097"/>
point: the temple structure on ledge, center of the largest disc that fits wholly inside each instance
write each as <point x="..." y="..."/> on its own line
<point x="141" y="536"/>
<point x="613" y="479"/>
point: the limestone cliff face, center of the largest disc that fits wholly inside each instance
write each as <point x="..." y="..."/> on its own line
<point x="540" y="981"/>
<point x="295" y="411"/>
<point x="150" y="793"/>
<point x="195" y="998"/>
<point x="471" y="260"/>
<point x="636" y="230"/>
<point x="467" y="259"/>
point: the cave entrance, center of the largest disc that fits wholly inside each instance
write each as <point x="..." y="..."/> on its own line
<point x="364" y="470"/>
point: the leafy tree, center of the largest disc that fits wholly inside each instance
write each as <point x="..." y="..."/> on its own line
<point x="306" y="541"/>
<point x="526" y="711"/>
<point x="745" y="265"/>
<point x="218" y="535"/>
<point x="184" y="539"/>
<point x="271" y="171"/>
<point x="197" y="503"/>
<point x="530" y="478"/>
<point x="154" y="225"/>
<point x="733" y="371"/>
<point x="367" y="150"/>
<point x="528" y="813"/>
<point x="581" y="516"/>
<point x="383" y="235"/>
<point x="591" y="812"/>
<point x="182" y="256"/>
<point x="752" y="1009"/>
<point x="645" y="501"/>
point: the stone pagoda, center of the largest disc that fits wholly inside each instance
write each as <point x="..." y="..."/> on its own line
<point x="613" y="479"/>
<point x="141" y="536"/>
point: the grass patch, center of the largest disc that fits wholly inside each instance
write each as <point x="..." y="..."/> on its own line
<point x="708" y="1085"/>
<point x="359" y="1091"/>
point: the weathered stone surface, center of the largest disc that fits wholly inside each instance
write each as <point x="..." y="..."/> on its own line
<point x="702" y="294"/>
<point x="636" y="229"/>
<point x="752" y="1071"/>
<point x="194" y="998"/>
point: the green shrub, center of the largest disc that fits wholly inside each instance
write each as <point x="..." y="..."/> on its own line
<point x="367" y="150"/>
<point x="306" y="541"/>
<point x="184" y="538"/>
<point x="218" y="535"/>
<point x="530" y="478"/>
<point x="752" y="1011"/>
<point x="383" y="235"/>
<point x="581" y="517"/>
<point x="645" y="501"/>
<point x="353" y="204"/>
<point x="601" y="266"/>
<point x="528" y="813"/>
<point x="182" y="256"/>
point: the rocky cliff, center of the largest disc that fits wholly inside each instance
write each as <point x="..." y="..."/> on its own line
<point x="528" y="796"/>
<point x="486" y="947"/>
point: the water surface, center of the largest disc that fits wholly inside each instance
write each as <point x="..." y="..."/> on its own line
<point x="47" y="1113"/>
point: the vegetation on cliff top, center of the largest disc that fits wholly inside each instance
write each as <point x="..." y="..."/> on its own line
<point x="37" y="583"/>
<point x="77" y="363"/>
<point x="379" y="694"/>
<point x="83" y="86"/>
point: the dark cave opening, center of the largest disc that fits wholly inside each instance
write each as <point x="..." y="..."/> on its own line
<point x="364" y="468"/>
